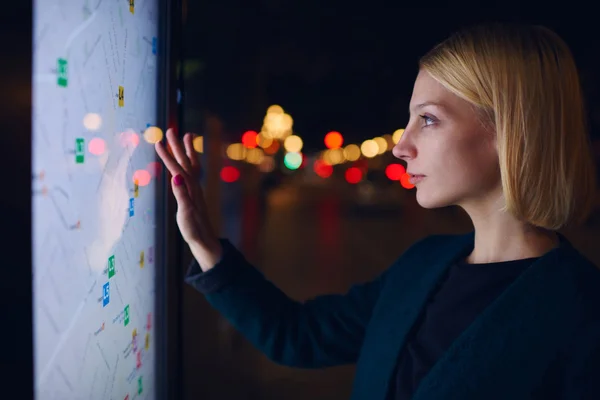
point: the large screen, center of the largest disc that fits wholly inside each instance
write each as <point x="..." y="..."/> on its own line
<point x="95" y="85"/>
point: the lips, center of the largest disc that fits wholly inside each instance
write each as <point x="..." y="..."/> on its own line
<point x="415" y="178"/>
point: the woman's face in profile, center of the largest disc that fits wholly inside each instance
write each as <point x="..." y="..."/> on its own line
<point x="446" y="141"/>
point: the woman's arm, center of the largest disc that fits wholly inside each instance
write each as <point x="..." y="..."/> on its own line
<point x="325" y="331"/>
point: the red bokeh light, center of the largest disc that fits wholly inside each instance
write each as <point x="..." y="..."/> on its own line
<point x="395" y="171"/>
<point x="230" y="174"/>
<point x="323" y="169"/>
<point x="249" y="139"/>
<point x="353" y="175"/>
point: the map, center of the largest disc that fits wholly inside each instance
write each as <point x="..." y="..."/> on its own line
<point x="95" y="85"/>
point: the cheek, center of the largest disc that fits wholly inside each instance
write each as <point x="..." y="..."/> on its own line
<point x="480" y="163"/>
<point x="470" y="161"/>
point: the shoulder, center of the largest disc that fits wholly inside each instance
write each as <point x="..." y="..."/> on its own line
<point x="431" y="249"/>
<point x="585" y="278"/>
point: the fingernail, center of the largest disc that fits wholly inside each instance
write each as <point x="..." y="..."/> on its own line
<point x="178" y="179"/>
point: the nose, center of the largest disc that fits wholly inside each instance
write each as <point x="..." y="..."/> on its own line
<point x="404" y="149"/>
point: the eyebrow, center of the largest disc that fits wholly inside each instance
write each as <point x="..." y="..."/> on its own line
<point x="429" y="103"/>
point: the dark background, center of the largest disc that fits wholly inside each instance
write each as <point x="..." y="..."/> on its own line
<point x="346" y="66"/>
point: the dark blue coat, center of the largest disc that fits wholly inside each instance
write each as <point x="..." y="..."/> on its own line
<point x="546" y="324"/>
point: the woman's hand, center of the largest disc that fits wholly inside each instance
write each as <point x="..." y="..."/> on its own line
<point x="192" y="217"/>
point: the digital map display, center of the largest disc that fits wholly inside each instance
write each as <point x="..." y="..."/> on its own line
<point x="95" y="86"/>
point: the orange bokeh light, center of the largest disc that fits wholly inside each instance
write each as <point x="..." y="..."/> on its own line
<point x="273" y="148"/>
<point x="334" y="140"/>
<point x="405" y="182"/>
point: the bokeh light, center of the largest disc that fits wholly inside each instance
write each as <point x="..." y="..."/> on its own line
<point x="277" y="126"/>
<point x="334" y="140"/>
<point x="369" y="148"/>
<point x="92" y="121"/>
<point x="142" y="177"/>
<point x="322" y="169"/>
<point x="353" y="175"/>
<point x="230" y="174"/>
<point x="97" y="146"/>
<point x="304" y="160"/>
<point x="333" y="156"/>
<point x="236" y="151"/>
<point x="255" y="156"/>
<point x="275" y="109"/>
<point x="273" y="148"/>
<point x="405" y="181"/>
<point x="397" y="135"/>
<point x="352" y="152"/>
<point x="249" y="139"/>
<point x="381" y="145"/>
<point x="292" y="160"/>
<point x="198" y="144"/>
<point x="263" y="141"/>
<point x="395" y="171"/>
<point x="129" y="138"/>
<point x="153" y="134"/>
<point x="293" y="144"/>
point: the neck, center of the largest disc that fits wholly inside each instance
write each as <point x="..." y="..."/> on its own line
<point x="500" y="237"/>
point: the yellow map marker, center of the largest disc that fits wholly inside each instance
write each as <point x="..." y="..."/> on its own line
<point x="142" y="259"/>
<point x="121" y="96"/>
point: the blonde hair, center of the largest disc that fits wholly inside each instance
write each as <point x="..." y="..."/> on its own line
<point x="524" y="82"/>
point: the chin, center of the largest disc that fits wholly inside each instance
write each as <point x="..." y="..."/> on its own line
<point x="430" y="200"/>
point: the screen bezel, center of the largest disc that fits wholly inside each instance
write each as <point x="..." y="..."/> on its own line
<point x="169" y="281"/>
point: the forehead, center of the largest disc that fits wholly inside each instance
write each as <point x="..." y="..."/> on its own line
<point x="428" y="91"/>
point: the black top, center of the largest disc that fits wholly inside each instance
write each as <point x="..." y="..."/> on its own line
<point x="459" y="299"/>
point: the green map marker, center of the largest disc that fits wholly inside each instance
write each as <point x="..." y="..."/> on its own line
<point x="79" y="150"/>
<point x="140" y="385"/>
<point x="62" y="72"/>
<point x="111" y="266"/>
<point x="127" y="315"/>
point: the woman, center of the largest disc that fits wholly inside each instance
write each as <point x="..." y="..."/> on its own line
<point x="509" y="311"/>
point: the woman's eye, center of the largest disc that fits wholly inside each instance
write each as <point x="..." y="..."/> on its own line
<point x="427" y="120"/>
